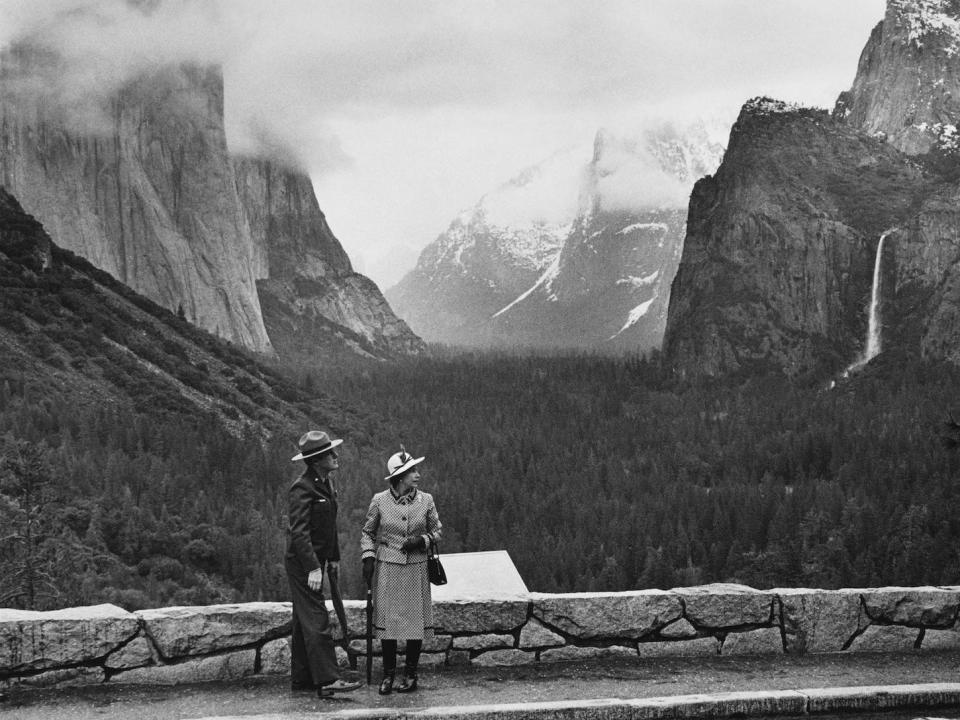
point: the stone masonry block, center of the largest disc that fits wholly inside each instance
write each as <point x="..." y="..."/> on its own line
<point x="433" y="659"/>
<point x="941" y="639"/>
<point x="573" y="653"/>
<point x="458" y="657"/>
<point x="202" y="630"/>
<point x="535" y="635"/>
<point x="479" y="616"/>
<point x="504" y="657"/>
<point x="885" y="638"/>
<point x="679" y="630"/>
<point x="919" y="606"/>
<point x="627" y="615"/>
<point x="229" y="666"/>
<point x="765" y="641"/>
<point x="275" y="657"/>
<point x="136" y="653"/>
<point x="818" y="621"/>
<point x="696" y="647"/>
<point x="69" y="677"/>
<point x="31" y="640"/>
<point x="483" y="642"/>
<point x="723" y="605"/>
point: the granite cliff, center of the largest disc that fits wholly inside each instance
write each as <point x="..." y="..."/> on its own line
<point x="314" y="305"/>
<point x="148" y="190"/>
<point x="907" y="85"/>
<point x="777" y="267"/>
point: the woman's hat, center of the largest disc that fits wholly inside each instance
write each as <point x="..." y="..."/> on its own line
<point x="313" y="443"/>
<point x="399" y="463"/>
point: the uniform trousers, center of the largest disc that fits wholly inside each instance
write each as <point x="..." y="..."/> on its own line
<point x="313" y="658"/>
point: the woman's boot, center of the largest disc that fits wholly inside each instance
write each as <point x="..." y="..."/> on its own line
<point x="408" y="683"/>
<point x="389" y="648"/>
<point x="386" y="685"/>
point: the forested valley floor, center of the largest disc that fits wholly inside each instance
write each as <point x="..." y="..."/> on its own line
<point x="594" y="473"/>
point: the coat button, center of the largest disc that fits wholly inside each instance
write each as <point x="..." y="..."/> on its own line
<point x="404" y="518"/>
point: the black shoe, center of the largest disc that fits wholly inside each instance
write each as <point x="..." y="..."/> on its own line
<point x="386" y="685"/>
<point x="337" y="686"/>
<point x="408" y="683"/>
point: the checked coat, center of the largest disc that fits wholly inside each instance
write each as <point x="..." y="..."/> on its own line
<point x="402" y="596"/>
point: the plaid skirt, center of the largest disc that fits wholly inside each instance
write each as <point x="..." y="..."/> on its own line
<point x="402" y="604"/>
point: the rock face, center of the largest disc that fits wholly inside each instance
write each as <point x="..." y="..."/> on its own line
<point x="596" y="278"/>
<point x="314" y="305"/>
<point x="908" y="80"/>
<point x="778" y="259"/>
<point x="777" y="268"/>
<point x="149" y="195"/>
<point x="148" y="191"/>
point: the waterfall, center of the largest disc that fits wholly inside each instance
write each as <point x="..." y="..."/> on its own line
<point x="873" y="318"/>
<point x="873" y="323"/>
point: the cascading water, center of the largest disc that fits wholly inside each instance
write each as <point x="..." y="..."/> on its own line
<point x="873" y="318"/>
<point x="873" y="322"/>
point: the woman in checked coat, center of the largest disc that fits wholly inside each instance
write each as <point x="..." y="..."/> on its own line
<point x="401" y="525"/>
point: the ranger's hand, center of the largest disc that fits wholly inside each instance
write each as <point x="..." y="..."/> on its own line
<point x="315" y="580"/>
<point x="368" y="571"/>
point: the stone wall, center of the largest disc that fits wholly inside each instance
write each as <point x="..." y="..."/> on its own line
<point x="103" y="643"/>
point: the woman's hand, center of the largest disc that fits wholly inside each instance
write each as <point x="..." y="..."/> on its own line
<point x="414" y="542"/>
<point x="368" y="571"/>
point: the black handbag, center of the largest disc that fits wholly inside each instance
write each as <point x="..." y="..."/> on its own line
<point x="435" y="569"/>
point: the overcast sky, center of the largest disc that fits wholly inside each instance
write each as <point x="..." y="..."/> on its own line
<point x="407" y="111"/>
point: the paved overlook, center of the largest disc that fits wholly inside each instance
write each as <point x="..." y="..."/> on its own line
<point x="894" y="686"/>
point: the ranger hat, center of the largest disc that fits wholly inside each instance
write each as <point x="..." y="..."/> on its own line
<point x="400" y="462"/>
<point x="314" y="443"/>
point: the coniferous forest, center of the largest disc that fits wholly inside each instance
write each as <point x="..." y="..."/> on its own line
<point x="594" y="473"/>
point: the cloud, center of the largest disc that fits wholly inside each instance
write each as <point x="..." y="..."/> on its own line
<point x="427" y="104"/>
<point x="545" y="193"/>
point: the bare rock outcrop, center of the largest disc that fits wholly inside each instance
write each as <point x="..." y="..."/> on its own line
<point x="778" y="259"/>
<point x="313" y="303"/>
<point x="146" y="192"/>
<point x="907" y="85"/>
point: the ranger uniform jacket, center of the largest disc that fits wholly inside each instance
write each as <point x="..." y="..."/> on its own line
<point x="312" y="529"/>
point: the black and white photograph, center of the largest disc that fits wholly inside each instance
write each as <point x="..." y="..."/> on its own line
<point x="535" y="359"/>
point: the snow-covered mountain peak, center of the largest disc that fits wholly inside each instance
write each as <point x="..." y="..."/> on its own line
<point x="576" y="251"/>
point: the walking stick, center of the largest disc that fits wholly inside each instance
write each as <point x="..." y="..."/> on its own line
<point x="369" y="633"/>
<point x="334" y="579"/>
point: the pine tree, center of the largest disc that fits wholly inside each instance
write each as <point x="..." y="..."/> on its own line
<point x="26" y="509"/>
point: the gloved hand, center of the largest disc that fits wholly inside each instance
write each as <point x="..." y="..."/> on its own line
<point x="368" y="571"/>
<point x="414" y="542"/>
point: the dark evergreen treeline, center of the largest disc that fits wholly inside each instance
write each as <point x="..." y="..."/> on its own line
<point x="599" y="474"/>
<point x="594" y="473"/>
